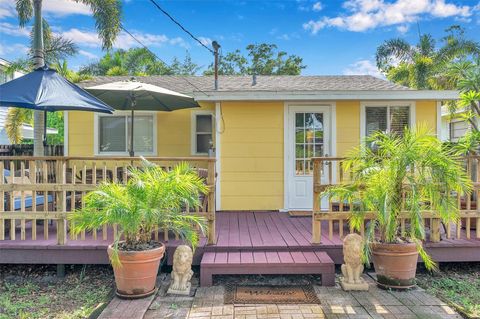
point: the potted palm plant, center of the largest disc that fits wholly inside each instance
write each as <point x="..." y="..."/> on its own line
<point x="396" y="176"/>
<point x="152" y="198"/>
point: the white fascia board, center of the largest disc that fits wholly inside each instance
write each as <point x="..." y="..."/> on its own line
<point x="326" y="95"/>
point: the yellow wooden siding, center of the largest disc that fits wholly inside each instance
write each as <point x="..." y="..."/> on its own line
<point x="426" y="113"/>
<point x="173" y="132"/>
<point x="252" y="156"/>
<point x="348" y="126"/>
<point x="252" y="151"/>
<point x="80" y="133"/>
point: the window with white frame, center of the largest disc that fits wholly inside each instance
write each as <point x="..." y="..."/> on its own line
<point x="202" y="132"/>
<point x="113" y="133"/>
<point x="457" y="129"/>
<point x="386" y="118"/>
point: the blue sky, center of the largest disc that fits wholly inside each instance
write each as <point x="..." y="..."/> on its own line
<point x="333" y="36"/>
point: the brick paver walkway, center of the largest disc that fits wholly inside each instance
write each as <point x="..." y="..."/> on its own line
<point x="207" y="303"/>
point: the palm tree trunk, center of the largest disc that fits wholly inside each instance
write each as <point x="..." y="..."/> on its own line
<point x="39" y="61"/>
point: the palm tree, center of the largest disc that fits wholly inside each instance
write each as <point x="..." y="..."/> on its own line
<point x="107" y="14"/>
<point x="418" y="66"/>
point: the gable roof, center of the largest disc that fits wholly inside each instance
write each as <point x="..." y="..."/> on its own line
<point x="275" y="87"/>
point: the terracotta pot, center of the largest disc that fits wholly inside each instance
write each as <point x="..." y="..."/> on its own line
<point x="395" y="264"/>
<point x="136" y="277"/>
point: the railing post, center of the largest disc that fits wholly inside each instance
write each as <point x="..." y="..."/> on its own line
<point x="435" y="230"/>
<point x="316" y="224"/>
<point x="60" y="202"/>
<point x="211" y="202"/>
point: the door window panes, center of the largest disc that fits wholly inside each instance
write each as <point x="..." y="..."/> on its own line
<point x="308" y="140"/>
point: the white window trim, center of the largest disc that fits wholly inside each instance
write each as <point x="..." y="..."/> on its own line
<point x="96" y="135"/>
<point x="388" y="104"/>
<point x="193" y="130"/>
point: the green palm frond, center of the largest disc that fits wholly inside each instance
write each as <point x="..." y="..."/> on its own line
<point x="16" y="117"/>
<point x="25" y="11"/>
<point x="151" y="198"/>
<point x="107" y="15"/>
<point x="414" y="163"/>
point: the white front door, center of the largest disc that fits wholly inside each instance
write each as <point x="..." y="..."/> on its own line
<point x="308" y="136"/>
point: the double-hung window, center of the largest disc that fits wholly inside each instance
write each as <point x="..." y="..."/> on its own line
<point x="202" y="132"/>
<point x="113" y="133"/>
<point x="458" y="128"/>
<point x="386" y="117"/>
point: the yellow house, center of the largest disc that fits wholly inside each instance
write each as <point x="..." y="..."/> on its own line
<point x="262" y="130"/>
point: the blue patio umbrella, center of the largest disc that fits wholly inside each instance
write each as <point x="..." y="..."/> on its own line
<point x="45" y="90"/>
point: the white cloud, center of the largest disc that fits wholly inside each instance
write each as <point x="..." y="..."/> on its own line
<point x="65" y="7"/>
<point x="362" y="67"/>
<point x="317" y="6"/>
<point x="288" y="36"/>
<point x="13" y="30"/>
<point x="7" y="9"/>
<point x="87" y="54"/>
<point x="123" y="41"/>
<point x="362" y="15"/>
<point x="84" y="38"/>
<point x="180" y="42"/>
<point x="205" y="41"/>
<point x="52" y="7"/>
<point x="13" y="48"/>
<point x="403" y="28"/>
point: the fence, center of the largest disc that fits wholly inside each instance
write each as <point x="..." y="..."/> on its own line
<point x="45" y="189"/>
<point x="27" y="150"/>
<point x="328" y="171"/>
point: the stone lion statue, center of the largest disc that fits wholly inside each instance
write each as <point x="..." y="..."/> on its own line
<point x="182" y="268"/>
<point x="353" y="267"/>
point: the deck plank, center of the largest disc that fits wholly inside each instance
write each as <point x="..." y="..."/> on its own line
<point x="298" y="257"/>
<point x="285" y="257"/>
<point x="297" y="235"/>
<point x="233" y="257"/>
<point x="233" y="230"/>
<point x="246" y="257"/>
<point x="245" y="240"/>
<point x="267" y="237"/>
<point x="272" y="257"/>
<point x="288" y="238"/>
<point x="259" y="257"/>
<point x="255" y="236"/>
<point x="222" y="230"/>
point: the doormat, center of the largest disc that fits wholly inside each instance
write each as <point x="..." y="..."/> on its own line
<point x="236" y="294"/>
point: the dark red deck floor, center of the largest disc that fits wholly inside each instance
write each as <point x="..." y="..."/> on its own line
<point x="236" y="231"/>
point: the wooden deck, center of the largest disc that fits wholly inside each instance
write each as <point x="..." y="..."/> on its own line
<point x="236" y="232"/>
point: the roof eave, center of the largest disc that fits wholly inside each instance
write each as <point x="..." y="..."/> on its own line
<point x="326" y="95"/>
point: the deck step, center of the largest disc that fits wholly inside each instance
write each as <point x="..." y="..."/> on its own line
<point x="271" y="262"/>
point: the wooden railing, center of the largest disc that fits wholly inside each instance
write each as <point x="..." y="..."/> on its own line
<point x="329" y="171"/>
<point x="46" y="189"/>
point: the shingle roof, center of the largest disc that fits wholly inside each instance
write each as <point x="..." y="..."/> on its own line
<point x="191" y="84"/>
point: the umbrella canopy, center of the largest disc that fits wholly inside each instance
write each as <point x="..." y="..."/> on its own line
<point x="137" y="96"/>
<point x="147" y="97"/>
<point x="45" y="90"/>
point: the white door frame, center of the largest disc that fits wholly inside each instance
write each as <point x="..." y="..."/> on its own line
<point x="330" y="106"/>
